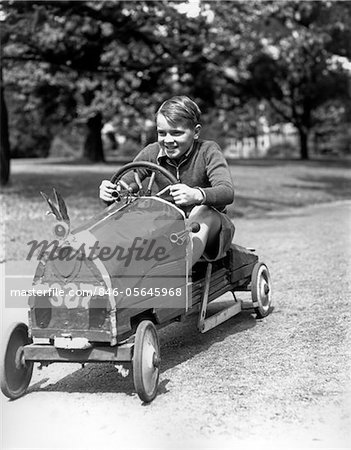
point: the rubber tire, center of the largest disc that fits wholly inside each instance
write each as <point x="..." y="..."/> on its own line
<point x="260" y="274"/>
<point x="15" y="377"/>
<point x="145" y="374"/>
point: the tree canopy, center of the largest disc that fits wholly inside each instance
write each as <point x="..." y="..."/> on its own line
<point x="91" y="61"/>
<point x="291" y="55"/>
<point x="94" y="57"/>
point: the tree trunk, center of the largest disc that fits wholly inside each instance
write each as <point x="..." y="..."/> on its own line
<point x="304" y="150"/>
<point x="4" y="141"/>
<point x="93" y="149"/>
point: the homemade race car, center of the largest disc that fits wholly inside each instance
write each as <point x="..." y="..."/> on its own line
<point x="101" y="291"/>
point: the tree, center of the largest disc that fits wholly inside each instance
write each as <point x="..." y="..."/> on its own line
<point x="284" y="53"/>
<point x="295" y="68"/>
<point x="115" y="56"/>
<point x="4" y="139"/>
<point x="4" y="131"/>
<point x="94" y="60"/>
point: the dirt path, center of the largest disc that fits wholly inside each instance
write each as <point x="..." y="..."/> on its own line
<point x="281" y="380"/>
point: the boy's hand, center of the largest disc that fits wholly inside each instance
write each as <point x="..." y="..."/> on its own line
<point x="185" y="195"/>
<point x="106" y="190"/>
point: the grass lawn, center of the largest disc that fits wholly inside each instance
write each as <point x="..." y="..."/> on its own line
<point x="261" y="187"/>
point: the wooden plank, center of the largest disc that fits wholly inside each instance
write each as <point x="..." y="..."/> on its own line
<point x="221" y="317"/>
<point x="49" y="353"/>
<point x="247" y="305"/>
<point x="214" y="283"/>
<point x="219" y="292"/>
<point x="213" y="286"/>
<point x="241" y="273"/>
<point x="241" y="256"/>
<point x="91" y="335"/>
<point x="205" y="297"/>
<point x="213" y="294"/>
<point x="219" y="274"/>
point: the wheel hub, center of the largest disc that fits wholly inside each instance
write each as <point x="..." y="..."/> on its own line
<point x="156" y="360"/>
<point x="264" y="291"/>
<point x="19" y="358"/>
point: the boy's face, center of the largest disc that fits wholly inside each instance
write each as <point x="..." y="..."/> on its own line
<point x="176" y="141"/>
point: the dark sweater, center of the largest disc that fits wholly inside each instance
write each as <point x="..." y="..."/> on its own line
<point x="204" y="166"/>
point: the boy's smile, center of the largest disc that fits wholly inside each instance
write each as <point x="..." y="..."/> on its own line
<point x="175" y="140"/>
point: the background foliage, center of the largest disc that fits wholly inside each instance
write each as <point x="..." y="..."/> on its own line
<point x="71" y="65"/>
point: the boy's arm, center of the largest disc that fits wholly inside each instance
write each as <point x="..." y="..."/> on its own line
<point x="221" y="192"/>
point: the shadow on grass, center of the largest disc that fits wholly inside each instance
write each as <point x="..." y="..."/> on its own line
<point x="259" y="162"/>
<point x="255" y="207"/>
<point x="307" y="190"/>
<point x="316" y="162"/>
<point x="338" y="187"/>
<point x="79" y="181"/>
<point x="179" y="343"/>
<point x="72" y="184"/>
<point x="81" y="189"/>
<point x="84" y="162"/>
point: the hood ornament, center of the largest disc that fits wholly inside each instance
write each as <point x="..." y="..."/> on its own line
<point x="59" y="210"/>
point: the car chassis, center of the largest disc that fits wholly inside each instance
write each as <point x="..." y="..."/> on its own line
<point x="121" y="329"/>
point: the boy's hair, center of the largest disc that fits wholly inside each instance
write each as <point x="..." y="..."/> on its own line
<point x="180" y="109"/>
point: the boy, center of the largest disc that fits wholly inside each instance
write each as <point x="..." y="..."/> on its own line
<point x="204" y="179"/>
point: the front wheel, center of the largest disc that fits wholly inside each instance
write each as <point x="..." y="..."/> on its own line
<point x="146" y="361"/>
<point x="261" y="290"/>
<point x="15" y="372"/>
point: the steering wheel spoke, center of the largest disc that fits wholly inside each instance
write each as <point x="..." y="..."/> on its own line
<point x="163" y="191"/>
<point x="150" y="167"/>
<point x="151" y="182"/>
<point x="125" y="185"/>
<point x="137" y="180"/>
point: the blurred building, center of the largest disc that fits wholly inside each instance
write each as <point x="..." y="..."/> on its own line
<point x="270" y="140"/>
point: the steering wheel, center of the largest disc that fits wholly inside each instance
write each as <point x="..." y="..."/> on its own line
<point x="153" y="168"/>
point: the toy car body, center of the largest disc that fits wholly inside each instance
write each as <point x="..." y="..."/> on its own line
<point x="104" y="289"/>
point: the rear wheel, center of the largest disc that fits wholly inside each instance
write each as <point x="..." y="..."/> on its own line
<point x="146" y="361"/>
<point x="16" y="373"/>
<point x="261" y="290"/>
